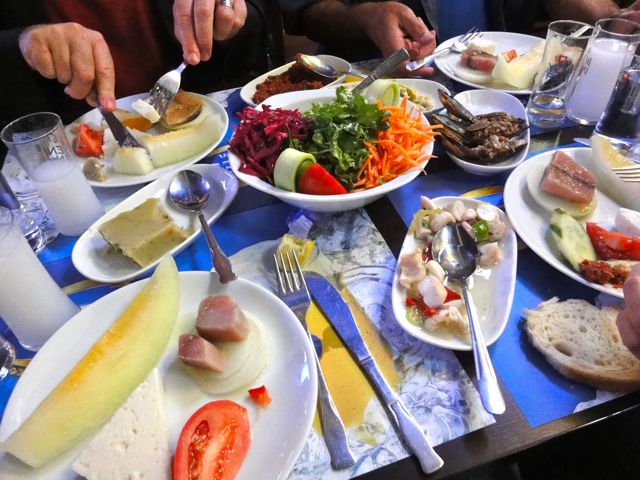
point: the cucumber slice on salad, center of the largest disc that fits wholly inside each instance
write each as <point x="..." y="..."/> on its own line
<point x="571" y="238"/>
<point x="387" y="91"/>
<point x="289" y="166"/>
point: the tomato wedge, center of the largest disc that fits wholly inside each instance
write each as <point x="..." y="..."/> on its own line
<point x="260" y="395"/>
<point x="317" y="181"/>
<point x="613" y="245"/>
<point x="213" y="442"/>
<point x="88" y="142"/>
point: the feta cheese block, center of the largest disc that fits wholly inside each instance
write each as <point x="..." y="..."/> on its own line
<point x="146" y="110"/>
<point x="134" y="444"/>
<point x="143" y="234"/>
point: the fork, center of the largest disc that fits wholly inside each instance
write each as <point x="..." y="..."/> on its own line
<point x="165" y="89"/>
<point x="293" y="291"/>
<point x="458" y="46"/>
<point x="630" y="174"/>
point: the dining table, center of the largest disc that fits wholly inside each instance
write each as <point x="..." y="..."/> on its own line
<point x="358" y="251"/>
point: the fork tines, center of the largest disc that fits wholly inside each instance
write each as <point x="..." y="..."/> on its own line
<point x="165" y="90"/>
<point x="628" y="174"/>
<point x="289" y="280"/>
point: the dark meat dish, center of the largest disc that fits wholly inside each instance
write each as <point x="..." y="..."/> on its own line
<point x="295" y="78"/>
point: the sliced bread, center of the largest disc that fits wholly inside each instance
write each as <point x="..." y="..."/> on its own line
<point x="581" y="341"/>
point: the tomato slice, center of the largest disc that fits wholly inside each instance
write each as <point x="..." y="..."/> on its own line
<point x="613" y="245"/>
<point x="213" y="442"/>
<point x="317" y="181"/>
<point x="88" y="142"/>
<point x="260" y="395"/>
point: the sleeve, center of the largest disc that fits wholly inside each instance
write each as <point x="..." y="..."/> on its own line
<point x="292" y="11"/>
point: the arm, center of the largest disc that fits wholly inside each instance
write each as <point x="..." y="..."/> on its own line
<point x="628" y="320"/>
<point x="588" y="11"/>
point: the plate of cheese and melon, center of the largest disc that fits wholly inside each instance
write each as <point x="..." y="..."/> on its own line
<point x="279" y="430"/>
<point x="169" y="149"/>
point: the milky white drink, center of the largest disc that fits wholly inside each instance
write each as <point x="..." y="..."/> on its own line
<point x="592" y="91"/>
<point x="71" y="202"/>
<point x="31" y="303"/>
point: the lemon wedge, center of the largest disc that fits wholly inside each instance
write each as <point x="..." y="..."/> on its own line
<point x="606" y="151"/>
<point x="290" y="243"/>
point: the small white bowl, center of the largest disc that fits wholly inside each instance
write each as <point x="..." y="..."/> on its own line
<point x="248" y="91"/>
<point x="302" y="101"/>
<point x="488" y="101"/>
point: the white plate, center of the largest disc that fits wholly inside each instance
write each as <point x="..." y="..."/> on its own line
<point x="492" y="289"/>
<point x="91" y="255"/>
<point x="248" y="91"/>
<point x="279" y="430"/>
<point x="504" y="41"/>
<point x="119" y="180"/>
<point x="486" y="101"/>
<point x="531" y="221"/>
<point x="321" y="203"/>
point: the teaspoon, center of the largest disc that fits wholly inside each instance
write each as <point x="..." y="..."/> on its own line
<point x="190" y="191"/>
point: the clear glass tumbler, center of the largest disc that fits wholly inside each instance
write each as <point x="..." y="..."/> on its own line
<point x="565" y="43"/>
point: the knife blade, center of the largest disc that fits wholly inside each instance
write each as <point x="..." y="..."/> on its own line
<point x="339" y="315"/>
<point x="388" y="65"/>
<point x="120" y="132"/>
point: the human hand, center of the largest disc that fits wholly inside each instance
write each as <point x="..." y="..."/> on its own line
<point x="392" y="26"/>
<point x="628" y="320"/>
<point x="75" y="56"/>
<point x="197" y="23"/>
<point x="632" y="12"/>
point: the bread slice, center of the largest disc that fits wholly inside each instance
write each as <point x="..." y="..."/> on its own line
<point x="581" y="341"/>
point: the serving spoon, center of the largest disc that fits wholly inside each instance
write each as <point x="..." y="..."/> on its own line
<point x="190" y="191"/>
<point x="456" y="252"/>
<point x="319" y="66"/>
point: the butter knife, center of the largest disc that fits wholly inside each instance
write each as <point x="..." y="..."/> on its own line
<point x="339" y="315"/>
<point x="387" y="66"/>
<point x="120" y="132"/>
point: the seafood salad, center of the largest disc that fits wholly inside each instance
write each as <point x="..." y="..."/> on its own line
<point x="485" y="139"/>
<point x="431" y="302"/>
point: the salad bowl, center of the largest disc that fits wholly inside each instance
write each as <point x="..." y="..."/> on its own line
<point x="302" y="102"/>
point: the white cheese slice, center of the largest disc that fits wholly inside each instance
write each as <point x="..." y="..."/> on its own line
<point x="134" y="444"/>
<point x="628" y="222"/>
<point x="146" y="110"/>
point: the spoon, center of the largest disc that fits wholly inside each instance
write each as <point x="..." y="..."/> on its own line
<point x="456" y="251"/>
<point x="319" y="66"/>
<point x="190" y="191"/>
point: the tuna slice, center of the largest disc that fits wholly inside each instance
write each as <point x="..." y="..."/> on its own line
<point x="195" y="351"/>
<point x="479" y="60"/>
<point x="220" y="320"/>
<point x="567" y="179"/>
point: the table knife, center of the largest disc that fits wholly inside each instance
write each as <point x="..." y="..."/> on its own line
<point x="120" y="132"/>
<point x="339" y="315"/>
<point x="387" y="66"/>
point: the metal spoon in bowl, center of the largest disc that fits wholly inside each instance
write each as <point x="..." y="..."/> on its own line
<point x="456" y="251"/>
<point x="190" y="191"/>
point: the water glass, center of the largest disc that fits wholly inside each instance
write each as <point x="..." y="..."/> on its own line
<point x="28" y="224"/>
<point x="565" y="43"/>
<point x="7" y="357"/>
<point x="39" y="143"/>
<point x="31" y="303"/>
<point x="610" y="49"/>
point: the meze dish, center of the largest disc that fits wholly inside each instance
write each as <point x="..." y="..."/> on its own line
<point x="329" y="150"/>
<point x="429" y="308"/>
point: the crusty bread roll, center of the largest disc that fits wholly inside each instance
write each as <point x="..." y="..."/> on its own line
<point x="581" y="341"/>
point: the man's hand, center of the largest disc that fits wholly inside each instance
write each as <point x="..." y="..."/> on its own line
<point x="628" y="320"/>
<point x="75" y="56"/>
<point x="197" y="23"/>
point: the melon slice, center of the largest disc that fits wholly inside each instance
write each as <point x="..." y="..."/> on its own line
<point x="106" y="376"/>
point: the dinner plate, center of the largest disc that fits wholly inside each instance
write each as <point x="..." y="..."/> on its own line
<point x="504" y="41"/>
<point x="531" y="221"/>
<point x="95" y="260"/>
<point x="279" y="430"/>
<point x="492" y="289"/>
<point x="248" y="91"/>
<point x="119" y="180"/>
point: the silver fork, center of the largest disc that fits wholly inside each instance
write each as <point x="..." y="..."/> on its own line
<point x="458" y="46"/>
<point x="293" y="291"/>
<point x="630" y="174"/>
<point x="165" y="89"/>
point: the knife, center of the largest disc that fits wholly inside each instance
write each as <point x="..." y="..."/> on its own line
<point x="120" y="132"/>
<point x="385" y="68"/>
<point x="339" y="315"/>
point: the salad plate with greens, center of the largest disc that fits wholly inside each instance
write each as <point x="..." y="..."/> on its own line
<point x="330" y="150"/>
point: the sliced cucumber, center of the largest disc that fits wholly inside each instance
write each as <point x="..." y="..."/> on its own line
<point x="571" y="238"/>
<point x="289" y="166"/>
<point x="387" y="91"/>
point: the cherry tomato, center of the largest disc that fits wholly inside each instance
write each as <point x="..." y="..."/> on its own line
<point x="317" y="181"/>
<point x="613" y="245"/>
<point x="213" y="442"/>
<point x="88" y="142"/>
<point x="260" y="395"/>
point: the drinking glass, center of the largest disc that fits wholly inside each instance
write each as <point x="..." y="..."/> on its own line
<point x="565" y="43"/>
<point x="610" y="49"/>
<point x="7" y="357"/>
<point x="31" y="303"/>
<point x="39" y="143"/>
<point x="28" y="224"/>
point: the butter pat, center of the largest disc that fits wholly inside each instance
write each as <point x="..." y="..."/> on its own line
<point x="143" y="234"/>
<point x="134" y="444"/>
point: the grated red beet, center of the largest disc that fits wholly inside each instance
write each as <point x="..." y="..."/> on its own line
<point x="262" y="135"/>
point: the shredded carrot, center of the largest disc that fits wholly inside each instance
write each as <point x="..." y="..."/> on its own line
<point x="397" y="149"/>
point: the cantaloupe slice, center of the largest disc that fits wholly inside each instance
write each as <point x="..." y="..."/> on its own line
<point x="106" y="376"/>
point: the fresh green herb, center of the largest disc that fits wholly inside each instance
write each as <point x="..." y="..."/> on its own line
<point x="481" y="230"/>
<point x="425" y="222"/>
